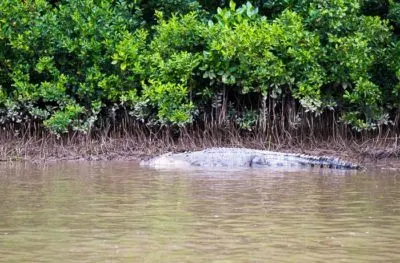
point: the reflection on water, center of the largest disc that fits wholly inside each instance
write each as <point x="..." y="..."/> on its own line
<point x="118" y="212"/>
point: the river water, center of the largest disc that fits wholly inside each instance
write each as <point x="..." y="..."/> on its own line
<point x="119" y="212"/>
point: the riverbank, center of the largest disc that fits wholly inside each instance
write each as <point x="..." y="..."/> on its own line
<point x="371" y="153"/>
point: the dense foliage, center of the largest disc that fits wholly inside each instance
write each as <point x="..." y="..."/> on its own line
<point x="69" y="64"/>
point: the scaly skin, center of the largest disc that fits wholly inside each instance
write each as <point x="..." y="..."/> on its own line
<point x="241" y="157"/>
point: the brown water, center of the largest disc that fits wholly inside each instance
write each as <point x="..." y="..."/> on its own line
<point x="118" y="212"/>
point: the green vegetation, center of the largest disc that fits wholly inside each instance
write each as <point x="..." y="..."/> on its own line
<point x="77" y="64"/>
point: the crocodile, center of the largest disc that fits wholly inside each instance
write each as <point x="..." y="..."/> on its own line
<point x="243" y="157"/>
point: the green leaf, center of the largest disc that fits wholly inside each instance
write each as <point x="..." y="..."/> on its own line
<point x="232" y="5"/>
<point x="123" y="66"/>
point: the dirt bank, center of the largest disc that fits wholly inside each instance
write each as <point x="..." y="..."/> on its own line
<point x="51" y="149"/>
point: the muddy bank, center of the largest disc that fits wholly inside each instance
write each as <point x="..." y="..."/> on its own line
<point x="369" y="154"/>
